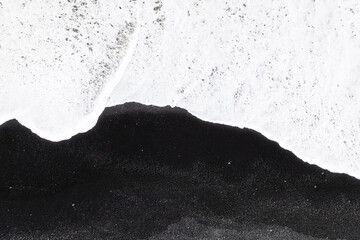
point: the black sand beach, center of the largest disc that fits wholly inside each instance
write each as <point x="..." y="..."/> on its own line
<point x="159" y="173"/>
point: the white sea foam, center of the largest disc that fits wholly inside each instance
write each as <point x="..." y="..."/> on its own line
<point x="289" y="69"/>
<point x="60" y="60"/>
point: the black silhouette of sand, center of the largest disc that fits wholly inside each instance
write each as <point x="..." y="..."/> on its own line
<point x="159" y="173"/>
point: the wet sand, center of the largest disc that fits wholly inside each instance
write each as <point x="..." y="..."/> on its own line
<point x="159" y="173"/>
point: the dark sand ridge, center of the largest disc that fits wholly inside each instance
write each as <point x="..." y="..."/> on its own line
<point x="146" y="172"/>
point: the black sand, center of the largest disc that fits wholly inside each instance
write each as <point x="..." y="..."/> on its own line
<point x="159" y="173"/>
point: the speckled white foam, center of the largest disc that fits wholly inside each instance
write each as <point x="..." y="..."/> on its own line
<point x="289" y="69"/>
<point x="60" y="60"/>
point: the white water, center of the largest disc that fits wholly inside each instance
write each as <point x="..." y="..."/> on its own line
<point x="60" y="60"/>
<point x="288" y="69"/>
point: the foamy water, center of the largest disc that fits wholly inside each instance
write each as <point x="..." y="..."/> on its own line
<point x="60" y="60"/>
<point x="288" y="69"/>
